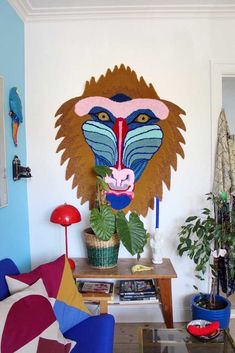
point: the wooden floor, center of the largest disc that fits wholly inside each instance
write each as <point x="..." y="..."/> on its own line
<point x="126" y="335"/>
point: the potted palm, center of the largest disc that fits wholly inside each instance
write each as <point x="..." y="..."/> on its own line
<point x="209" y="241"/>
<point x="108" y="228"/>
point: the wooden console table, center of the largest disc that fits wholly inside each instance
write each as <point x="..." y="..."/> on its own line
<point x="161" y="274"/>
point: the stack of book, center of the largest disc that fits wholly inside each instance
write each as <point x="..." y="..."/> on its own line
<point x="133" y="291"/>
<point x="95" y="287"/>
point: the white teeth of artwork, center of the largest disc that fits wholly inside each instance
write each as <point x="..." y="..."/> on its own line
<point x="156" y="243"/>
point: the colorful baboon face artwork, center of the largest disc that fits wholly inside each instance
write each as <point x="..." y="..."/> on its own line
<point x="121" y="122"/>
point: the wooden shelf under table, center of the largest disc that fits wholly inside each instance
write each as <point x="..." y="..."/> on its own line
<point x="161" y="274"/>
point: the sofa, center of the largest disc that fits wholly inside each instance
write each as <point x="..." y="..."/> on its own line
<point x="94" y="334"/>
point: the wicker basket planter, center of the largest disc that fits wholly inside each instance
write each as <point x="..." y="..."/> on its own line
<point x="101" y="254"/>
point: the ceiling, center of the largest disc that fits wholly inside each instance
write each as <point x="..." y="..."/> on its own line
<point x="37" y="10"/>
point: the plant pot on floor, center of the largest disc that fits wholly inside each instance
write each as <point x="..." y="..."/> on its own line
<point x="101" y="254"/>
<point x="222" y="315"/>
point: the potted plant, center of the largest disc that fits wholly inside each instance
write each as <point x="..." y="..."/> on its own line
<point x="209" y="241"/>
<point x="109" y="227"/>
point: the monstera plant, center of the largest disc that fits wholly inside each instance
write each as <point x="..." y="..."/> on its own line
<point x="107" y="223"/>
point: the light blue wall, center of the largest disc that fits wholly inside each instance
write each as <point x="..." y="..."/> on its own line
<point x="14" y="230"/>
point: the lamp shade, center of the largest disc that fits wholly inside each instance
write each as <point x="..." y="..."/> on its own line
<point x="65" y="215"/>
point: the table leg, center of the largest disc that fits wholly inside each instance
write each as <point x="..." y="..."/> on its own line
<point x="103" y="307"/>
<point x="166" y="300"/>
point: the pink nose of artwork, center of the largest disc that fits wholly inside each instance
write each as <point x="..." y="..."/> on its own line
<point x="121" y="181"/>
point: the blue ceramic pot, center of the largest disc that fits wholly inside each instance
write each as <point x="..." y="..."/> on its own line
<point x="221" y="315"/>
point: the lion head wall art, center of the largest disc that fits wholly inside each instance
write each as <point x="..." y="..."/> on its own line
<point x="120" y="121"/>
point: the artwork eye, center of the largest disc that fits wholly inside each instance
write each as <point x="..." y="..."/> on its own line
<point x="142" y="118"/>
<point x="103" y="116"/>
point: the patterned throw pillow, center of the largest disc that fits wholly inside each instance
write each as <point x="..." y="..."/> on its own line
<point x="28" y="323"/>
<point x="68" y="306"/>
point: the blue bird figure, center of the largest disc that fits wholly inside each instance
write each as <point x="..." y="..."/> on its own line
<point x="15" y="112"/>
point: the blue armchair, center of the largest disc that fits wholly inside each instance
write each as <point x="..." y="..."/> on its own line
<point x="93" y="335"/>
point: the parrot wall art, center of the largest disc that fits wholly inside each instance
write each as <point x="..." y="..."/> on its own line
<point x="15" y="112"/>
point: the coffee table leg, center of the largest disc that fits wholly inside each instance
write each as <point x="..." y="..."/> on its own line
<point x="166" y="300"/>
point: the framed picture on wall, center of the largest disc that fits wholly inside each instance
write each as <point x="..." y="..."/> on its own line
<point x="3" y="176"/>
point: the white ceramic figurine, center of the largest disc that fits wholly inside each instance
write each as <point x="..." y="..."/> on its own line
<point x="156" y="246"/>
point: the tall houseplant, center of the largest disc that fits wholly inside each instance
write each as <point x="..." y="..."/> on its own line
<point x="209" y="241"/>
<point x="109" y="226"/>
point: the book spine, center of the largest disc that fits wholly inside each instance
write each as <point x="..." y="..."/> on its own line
<point x="93" y="287"/>
<point x="145" y="295"/>
<point x="137" y="286"/>
<point x="137" y="298"/>
<point x="153" y="292"/>
<point x="145" y="301"/>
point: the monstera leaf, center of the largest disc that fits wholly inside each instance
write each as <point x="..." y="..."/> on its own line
<point x="132" y="232"/>
<point x="102" y="222"/>
<point x="102" y="170"/>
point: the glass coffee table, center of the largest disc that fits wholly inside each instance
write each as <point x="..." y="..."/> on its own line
<point x="153" y="340"/>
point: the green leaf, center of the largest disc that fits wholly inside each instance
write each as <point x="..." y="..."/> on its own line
<point x="102" y="170"/>
<point x="214" y="273"/>
<point x="206" y="211"/>
<point x="191" y="219"/>
<point x="132" y="232"/>
<point x="195" y="228"/>
<point x="189" y="243"/>
<point x="182" y="239"/>
<point x="199" y="277"/>
<point x="200" y="233"/>
<point x="103" y="222"/>
<point x="181" y="251"/>
<point x="103" y="184"/>
<point x="200" y="267"/>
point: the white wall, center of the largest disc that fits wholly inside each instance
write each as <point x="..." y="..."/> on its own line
<point x="229" y="101"/>
<point x="174" y="55"/>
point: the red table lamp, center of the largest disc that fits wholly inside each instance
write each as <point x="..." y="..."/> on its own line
<point x="65" y="215"/>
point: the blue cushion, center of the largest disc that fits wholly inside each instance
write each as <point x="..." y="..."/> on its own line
<point x="7" y="267"/>
<point x="93" y="335"/>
